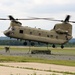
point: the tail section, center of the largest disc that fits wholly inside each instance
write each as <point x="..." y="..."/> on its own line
<point x="65" y="27"/>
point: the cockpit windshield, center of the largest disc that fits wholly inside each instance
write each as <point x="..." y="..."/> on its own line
<point x="54" y="27"/>
<point x="10" y="28"/>
<point x="13" y="24"/>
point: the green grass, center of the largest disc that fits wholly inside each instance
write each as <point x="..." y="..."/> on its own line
<point x="68" y="51"/>
<point x="30" y="59"/>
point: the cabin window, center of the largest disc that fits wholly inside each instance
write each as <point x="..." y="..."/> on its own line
<point x="51" y="35"/>
<point x="47" y="35"/>
<point x="30" y="32"/>
<point x="21" y="31"/>
<point x="13" y="29"/>
<point x="56" y="37"/>
<point x="39" y="34"/>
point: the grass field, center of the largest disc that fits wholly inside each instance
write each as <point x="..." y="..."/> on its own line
<point x="30" y="59"/>
<point x="68" y="51"/>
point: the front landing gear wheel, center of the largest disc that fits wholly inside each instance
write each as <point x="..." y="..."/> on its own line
<point x="25" y="43"/>
<point x="53" y="46"/>
<point x="62" y="46"/>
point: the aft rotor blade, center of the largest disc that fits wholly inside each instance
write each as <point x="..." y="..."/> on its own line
<point x="27" y="19"/>
<point x="72" y="21"/>
<point x="67" y="18"/>
<point x="58" y="20"/>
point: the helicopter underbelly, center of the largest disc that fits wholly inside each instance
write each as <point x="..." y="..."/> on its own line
<point x="44" y="39"/>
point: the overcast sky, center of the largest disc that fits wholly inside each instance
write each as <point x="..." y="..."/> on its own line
<point x="57" y="9"/>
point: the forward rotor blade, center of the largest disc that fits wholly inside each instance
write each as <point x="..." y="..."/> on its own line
<point x="4" y="19"/>
<point x="37" y="18"/>
<point x="20" y="19"/>
<point x="11" y="17"/>
<point x="50" y="19"/>
<point x="42" y="18"/>
<point x="26" y="19"/>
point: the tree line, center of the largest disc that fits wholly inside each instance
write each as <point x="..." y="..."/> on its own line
<point x="20" y="43"/>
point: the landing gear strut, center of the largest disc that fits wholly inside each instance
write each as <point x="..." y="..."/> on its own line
<point x="31" y="44"/>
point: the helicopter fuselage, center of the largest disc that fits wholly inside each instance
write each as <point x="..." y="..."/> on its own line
<point x="39" y="35"/>
<point x="60" y="34"/>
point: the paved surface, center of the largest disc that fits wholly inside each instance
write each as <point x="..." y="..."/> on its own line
<point x="20" y="69"/>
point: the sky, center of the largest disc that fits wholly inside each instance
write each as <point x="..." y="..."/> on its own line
<point x="56" y="9"/>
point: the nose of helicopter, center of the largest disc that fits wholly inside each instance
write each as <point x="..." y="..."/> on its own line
<point x="7" y="32"/>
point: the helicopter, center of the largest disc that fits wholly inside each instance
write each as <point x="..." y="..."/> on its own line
<point x="60" y="34"/>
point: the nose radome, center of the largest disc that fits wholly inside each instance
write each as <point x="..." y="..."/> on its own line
<point x="4" y="32"/>
<point x="7" y="32"/>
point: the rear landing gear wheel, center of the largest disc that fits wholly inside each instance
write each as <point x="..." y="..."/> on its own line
<point x="32" y="43"/>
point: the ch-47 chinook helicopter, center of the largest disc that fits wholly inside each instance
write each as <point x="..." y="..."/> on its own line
<point x="60" y="34"/>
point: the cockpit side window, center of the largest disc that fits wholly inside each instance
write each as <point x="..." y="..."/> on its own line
<point x="54" y="27"/>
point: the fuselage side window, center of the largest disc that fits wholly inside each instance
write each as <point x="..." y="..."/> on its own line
<point x="39" y="34"/>
<point x="56" y="37"/>
<point x="30" y="32"/>
<point x="51" y="36"/>
<point x="21" y="31"/>
<point x="47" y="35"/>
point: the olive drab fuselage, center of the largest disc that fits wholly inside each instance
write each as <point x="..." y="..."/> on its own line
<point x="60" y="34"/>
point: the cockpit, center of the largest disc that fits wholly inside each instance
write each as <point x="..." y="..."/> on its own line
<point x="13" y="24"/>
<point x="11" y="28"/>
